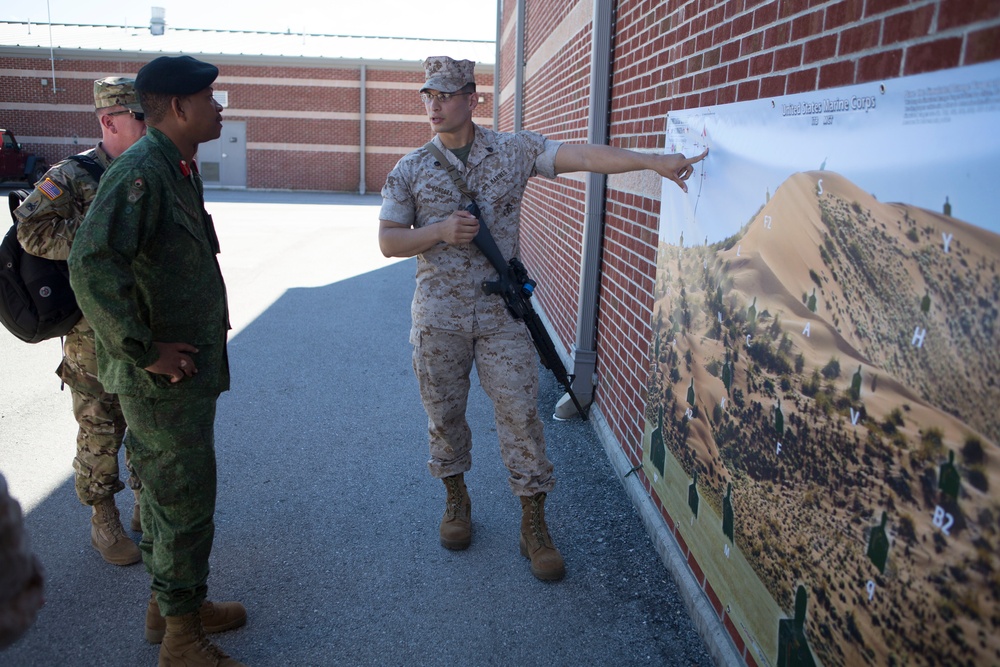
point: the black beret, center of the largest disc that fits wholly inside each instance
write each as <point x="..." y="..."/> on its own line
<point x="180" y="75"/>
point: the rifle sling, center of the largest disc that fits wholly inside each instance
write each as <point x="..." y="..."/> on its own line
<point x="452" y="171"/>
<point x="484" y="239"/>
<point x="92" y="166"/>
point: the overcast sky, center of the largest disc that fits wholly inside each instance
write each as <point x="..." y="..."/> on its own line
<point x="443" y="19"/>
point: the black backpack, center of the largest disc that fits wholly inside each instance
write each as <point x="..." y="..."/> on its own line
<point x="36" y="300"/>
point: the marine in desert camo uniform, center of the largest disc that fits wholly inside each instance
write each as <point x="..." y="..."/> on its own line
<point x="455" y="323"/>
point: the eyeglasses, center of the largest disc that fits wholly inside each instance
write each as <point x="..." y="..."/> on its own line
<point x="440" y="97"/>
<point x="138" y="115"/>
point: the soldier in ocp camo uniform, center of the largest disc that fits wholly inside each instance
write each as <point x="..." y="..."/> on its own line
<point x="455" y="324"/>
<point x="47" y="224"/>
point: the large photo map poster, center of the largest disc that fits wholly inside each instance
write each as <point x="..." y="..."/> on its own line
<point x="824" y="397"/>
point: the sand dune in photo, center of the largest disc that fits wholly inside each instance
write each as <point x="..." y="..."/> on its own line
<point x="774" y="266"/>
<point x="878" y="273"/>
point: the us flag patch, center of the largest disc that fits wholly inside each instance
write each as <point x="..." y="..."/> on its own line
<point x="50" y="189"/>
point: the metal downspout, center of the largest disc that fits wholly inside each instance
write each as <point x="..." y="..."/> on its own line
<point x="363" y="139"/>
<point x="519" y="68"/>
<point x="496" y="68"/>
<point x="585" y="349"/>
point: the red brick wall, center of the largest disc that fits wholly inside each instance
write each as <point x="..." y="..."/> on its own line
<point x="554" y="210"/>
<point x="303" y="127"/>
<point x="507" y="56"/>
<point x="742" y="51"/>
<point x="682" y="55"/>
<point x="71" y="131"/>
<point x="671" y="55"/>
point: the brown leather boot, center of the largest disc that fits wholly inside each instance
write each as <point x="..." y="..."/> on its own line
<point x="456" y="524"/>
<point x="185" y="645"/>
<point x="108" y="536"/>
<point x="536" y="543"/>
<point x="215" y="617"/>
<point x="136" y="519"/>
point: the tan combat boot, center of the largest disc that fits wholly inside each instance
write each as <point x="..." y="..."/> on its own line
<point x="536" y="543"/>
<point x="136" y="518"/>
<point x="456" y="524"/>
<point x="108" y="536"/>
<point x="185" y="645"/>
<point x="215" y="617"/>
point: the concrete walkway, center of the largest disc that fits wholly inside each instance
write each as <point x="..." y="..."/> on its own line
<point x="326" y="527"/>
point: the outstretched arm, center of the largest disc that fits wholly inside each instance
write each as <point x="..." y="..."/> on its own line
<point x="609" y="160"/>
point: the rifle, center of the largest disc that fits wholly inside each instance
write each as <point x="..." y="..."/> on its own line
<point x="516" y="289"/>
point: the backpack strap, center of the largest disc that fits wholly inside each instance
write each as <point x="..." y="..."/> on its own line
<point x="93" y="167"/>
<point x="14" y="199"/>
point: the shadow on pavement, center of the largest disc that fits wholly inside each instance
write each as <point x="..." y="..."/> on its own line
<point x="326" y="527"/>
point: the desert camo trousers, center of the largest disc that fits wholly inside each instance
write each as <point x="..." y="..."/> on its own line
<point x="99" y="417"/>
<point x="507" y="365"/>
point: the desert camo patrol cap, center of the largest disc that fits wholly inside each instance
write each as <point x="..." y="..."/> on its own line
<point x="115" y="91"/>
<point x="447" y="75"/>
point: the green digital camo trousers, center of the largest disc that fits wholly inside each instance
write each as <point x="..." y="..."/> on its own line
<point x="173" y="450"/>
<point x="508" y="372"/>
<point x="100" y="420"/>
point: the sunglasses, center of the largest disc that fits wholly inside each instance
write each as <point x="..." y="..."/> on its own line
<point x="138" y="115"/>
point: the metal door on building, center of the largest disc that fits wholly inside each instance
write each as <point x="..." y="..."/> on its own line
<point x="223" y="161"/>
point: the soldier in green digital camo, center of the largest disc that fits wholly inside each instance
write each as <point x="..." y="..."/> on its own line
<point x="455" y="324"/>
<point x="47" y="223"/>
<point x="145" y="273"/>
